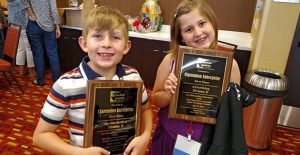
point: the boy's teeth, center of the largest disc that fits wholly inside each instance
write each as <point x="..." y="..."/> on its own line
<point x="105" y="54"/>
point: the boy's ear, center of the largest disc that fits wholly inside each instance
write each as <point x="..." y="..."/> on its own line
<point x="127" y="47"/>
<point x="82" y="42"/>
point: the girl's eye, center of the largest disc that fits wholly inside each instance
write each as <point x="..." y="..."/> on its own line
<point x="188" y="29"/>
<point x="201" y="24"/>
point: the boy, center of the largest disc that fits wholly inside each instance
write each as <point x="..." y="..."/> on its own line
<point x="105" y="40"/>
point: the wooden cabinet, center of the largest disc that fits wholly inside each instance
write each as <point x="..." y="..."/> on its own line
<point x="146" y="55"/>
<point x="69" y="51"/>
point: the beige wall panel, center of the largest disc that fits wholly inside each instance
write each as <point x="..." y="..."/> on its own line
<point x="275" y="36"/>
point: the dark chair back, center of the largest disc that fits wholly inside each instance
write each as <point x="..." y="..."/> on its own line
<point x="9" y="53"/>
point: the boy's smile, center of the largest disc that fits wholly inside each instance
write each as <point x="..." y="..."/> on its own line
<point x="105" y="49"/>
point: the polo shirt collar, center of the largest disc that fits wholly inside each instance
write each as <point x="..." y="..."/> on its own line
<point x="87" y="71"/>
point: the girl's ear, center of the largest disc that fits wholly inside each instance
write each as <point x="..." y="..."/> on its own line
<point x="127" y="47"/>
<point x="83" y="44"/>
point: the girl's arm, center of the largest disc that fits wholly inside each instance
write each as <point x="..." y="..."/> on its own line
<point x="165" y="83"/>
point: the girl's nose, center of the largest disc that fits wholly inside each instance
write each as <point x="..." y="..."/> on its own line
<point x="198" y="31"/>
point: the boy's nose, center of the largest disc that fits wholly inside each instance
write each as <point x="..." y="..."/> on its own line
<point x="106" y="42"/>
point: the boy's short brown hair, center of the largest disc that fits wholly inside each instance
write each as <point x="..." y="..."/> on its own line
<point x="104" y="18"/>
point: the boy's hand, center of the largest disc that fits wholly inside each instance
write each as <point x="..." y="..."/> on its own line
<point x="138" y="146"/>
<point x="170" y="84"/>
<point x="92" y="151"/>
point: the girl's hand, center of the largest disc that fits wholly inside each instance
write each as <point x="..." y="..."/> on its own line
<point x="91" y="151"/>
<point x="170" y="84"/>
<point x="138" y="146"/>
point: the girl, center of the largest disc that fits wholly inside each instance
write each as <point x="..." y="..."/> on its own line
<point x="194" y="24"/>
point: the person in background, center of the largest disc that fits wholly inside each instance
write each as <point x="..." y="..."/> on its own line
<point x="42" y="31"/>
<point x="105" y="40"/>
<point x="17" y="16"/>
<point x="2" y="20"/>
<point x="194" y="24"/>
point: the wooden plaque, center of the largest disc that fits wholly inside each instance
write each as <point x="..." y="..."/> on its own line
<point x="112" y="115"/>
<point x="203" y="75"/>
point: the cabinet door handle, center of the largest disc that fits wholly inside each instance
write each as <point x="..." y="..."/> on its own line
<point x="161" y="51"/>
<point x="70" y="38"/>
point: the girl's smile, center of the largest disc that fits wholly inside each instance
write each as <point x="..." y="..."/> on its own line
<point x="196" y="31"/>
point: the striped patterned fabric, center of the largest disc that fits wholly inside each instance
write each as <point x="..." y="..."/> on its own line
<point x="67" y="96"/>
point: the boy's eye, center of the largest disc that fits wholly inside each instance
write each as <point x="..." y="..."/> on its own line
<point x="97" y="36"/>
<point x="116" y="38"/>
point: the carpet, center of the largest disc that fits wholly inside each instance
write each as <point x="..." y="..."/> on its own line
<point x="19" y="114"/>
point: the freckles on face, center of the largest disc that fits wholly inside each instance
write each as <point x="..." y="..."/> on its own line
<point x="196" y="30"/>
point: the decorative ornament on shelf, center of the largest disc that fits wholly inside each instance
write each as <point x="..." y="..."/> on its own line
<point x="150" y="19"/>
<point x="73" y="3"/>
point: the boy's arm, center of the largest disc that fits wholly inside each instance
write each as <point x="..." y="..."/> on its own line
<point x="138" y="146"/>
<point x="146" y="120"/>
<point x="45" y="137"/>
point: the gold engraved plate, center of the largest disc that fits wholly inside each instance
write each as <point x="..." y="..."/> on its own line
<point x="112" y="114"/>
<point x="202" y="74"/>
